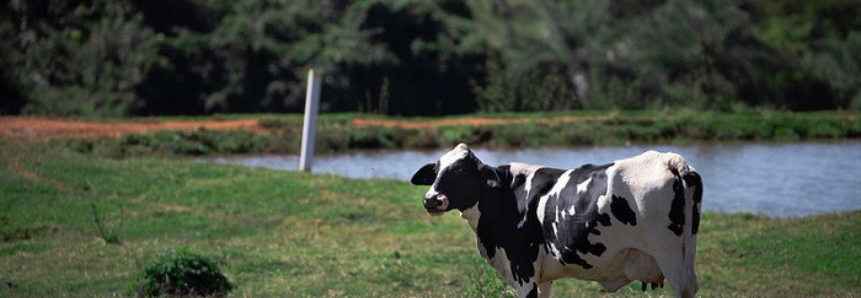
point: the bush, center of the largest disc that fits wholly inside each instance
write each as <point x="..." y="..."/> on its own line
<point x="424" y="138"/>
<point x="376" y="137"/>
<point x="181" y="272"/>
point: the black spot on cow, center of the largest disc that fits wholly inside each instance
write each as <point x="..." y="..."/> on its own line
<point x="677" y="207"/>
<point x="571" y="236"/>
<point x="622" y="211"/>
<point x="533" y="293"/>
<point x="518" y="181"/>
<point x="694" y="180"/>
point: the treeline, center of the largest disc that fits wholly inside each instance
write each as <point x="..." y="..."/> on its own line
<point x="420" y="57"/>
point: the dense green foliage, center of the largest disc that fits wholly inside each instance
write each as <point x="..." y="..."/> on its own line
<point x="182" y="272"/>
<point x="198" y="142"/>
<point x="296" y="235"/>
<point x="417" y="57"/>
<point x="336" y="133"/>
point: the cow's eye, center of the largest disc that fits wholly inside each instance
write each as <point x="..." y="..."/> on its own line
<point x="459" y="170"/>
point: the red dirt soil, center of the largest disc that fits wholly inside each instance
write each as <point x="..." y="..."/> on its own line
<point x="42" y="128"/>
<point x="362" y="122"/>
<point x="46" y="128"/>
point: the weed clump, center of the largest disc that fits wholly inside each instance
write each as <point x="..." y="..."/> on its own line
<point x="182" y="272"/>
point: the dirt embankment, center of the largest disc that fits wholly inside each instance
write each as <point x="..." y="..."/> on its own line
<point x="45" y="128"/>
<point x="42" y="128"/>
<point x="474" y="121"/>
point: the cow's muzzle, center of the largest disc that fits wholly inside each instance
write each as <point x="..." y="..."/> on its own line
<point x="436" y="204"/>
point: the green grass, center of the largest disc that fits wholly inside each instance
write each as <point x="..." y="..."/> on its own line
<point x="290" y="234"/>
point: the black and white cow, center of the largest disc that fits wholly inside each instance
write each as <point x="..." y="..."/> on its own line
<point x="632" y="220"/>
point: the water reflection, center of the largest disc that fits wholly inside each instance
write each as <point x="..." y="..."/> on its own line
<point x="774" y="179"/>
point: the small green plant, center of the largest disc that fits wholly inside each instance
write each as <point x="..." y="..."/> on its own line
<point x="486" y="283"/>
<point x="182" y="272"/>
<point x="11" y="232"/>
<point x="110" y="236"/>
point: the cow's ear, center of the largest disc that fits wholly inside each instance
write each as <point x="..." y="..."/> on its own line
<point x="425" y="176"/>
<point x="490" y="176"/>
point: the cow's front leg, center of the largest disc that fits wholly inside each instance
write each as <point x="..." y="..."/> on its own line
<point x="528" y="290"/>
<point x="534" y="290"/>
<point x="544" y="289"/>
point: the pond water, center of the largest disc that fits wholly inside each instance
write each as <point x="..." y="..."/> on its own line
<point x="775" y="179"/>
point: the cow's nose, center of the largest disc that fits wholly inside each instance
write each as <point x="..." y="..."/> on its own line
<point x="432" y="202"/>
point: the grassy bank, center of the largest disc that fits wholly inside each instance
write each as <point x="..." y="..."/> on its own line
<point x="287" y="234"/>
<point x="338" y="132"/>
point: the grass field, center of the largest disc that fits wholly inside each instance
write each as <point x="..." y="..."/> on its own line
<point x="288" y="234"/>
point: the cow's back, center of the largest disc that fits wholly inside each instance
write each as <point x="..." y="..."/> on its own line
<point x="620" y="222"/>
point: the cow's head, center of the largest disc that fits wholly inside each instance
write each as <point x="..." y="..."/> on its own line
<point x="456" y="180"/>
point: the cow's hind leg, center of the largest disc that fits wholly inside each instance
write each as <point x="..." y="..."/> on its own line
<point x="680" y="277"/>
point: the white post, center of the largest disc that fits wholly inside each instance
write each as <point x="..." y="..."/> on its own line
<point x="312" y="102"/>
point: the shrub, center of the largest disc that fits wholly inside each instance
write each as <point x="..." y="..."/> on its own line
<point x="334" y="139"/>
<point x="376" y="137"/>
<point x="181" y="272"/>
<point x="424" y="138"/>
<point x="449" y="136"/>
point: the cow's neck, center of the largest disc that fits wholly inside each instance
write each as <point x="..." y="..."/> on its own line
<point x="498" y="219"/>
<point x="471" y="216"/>
<point x="492" y="199"/>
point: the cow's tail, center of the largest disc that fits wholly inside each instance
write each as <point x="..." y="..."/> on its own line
<point x="692" y="191"/>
